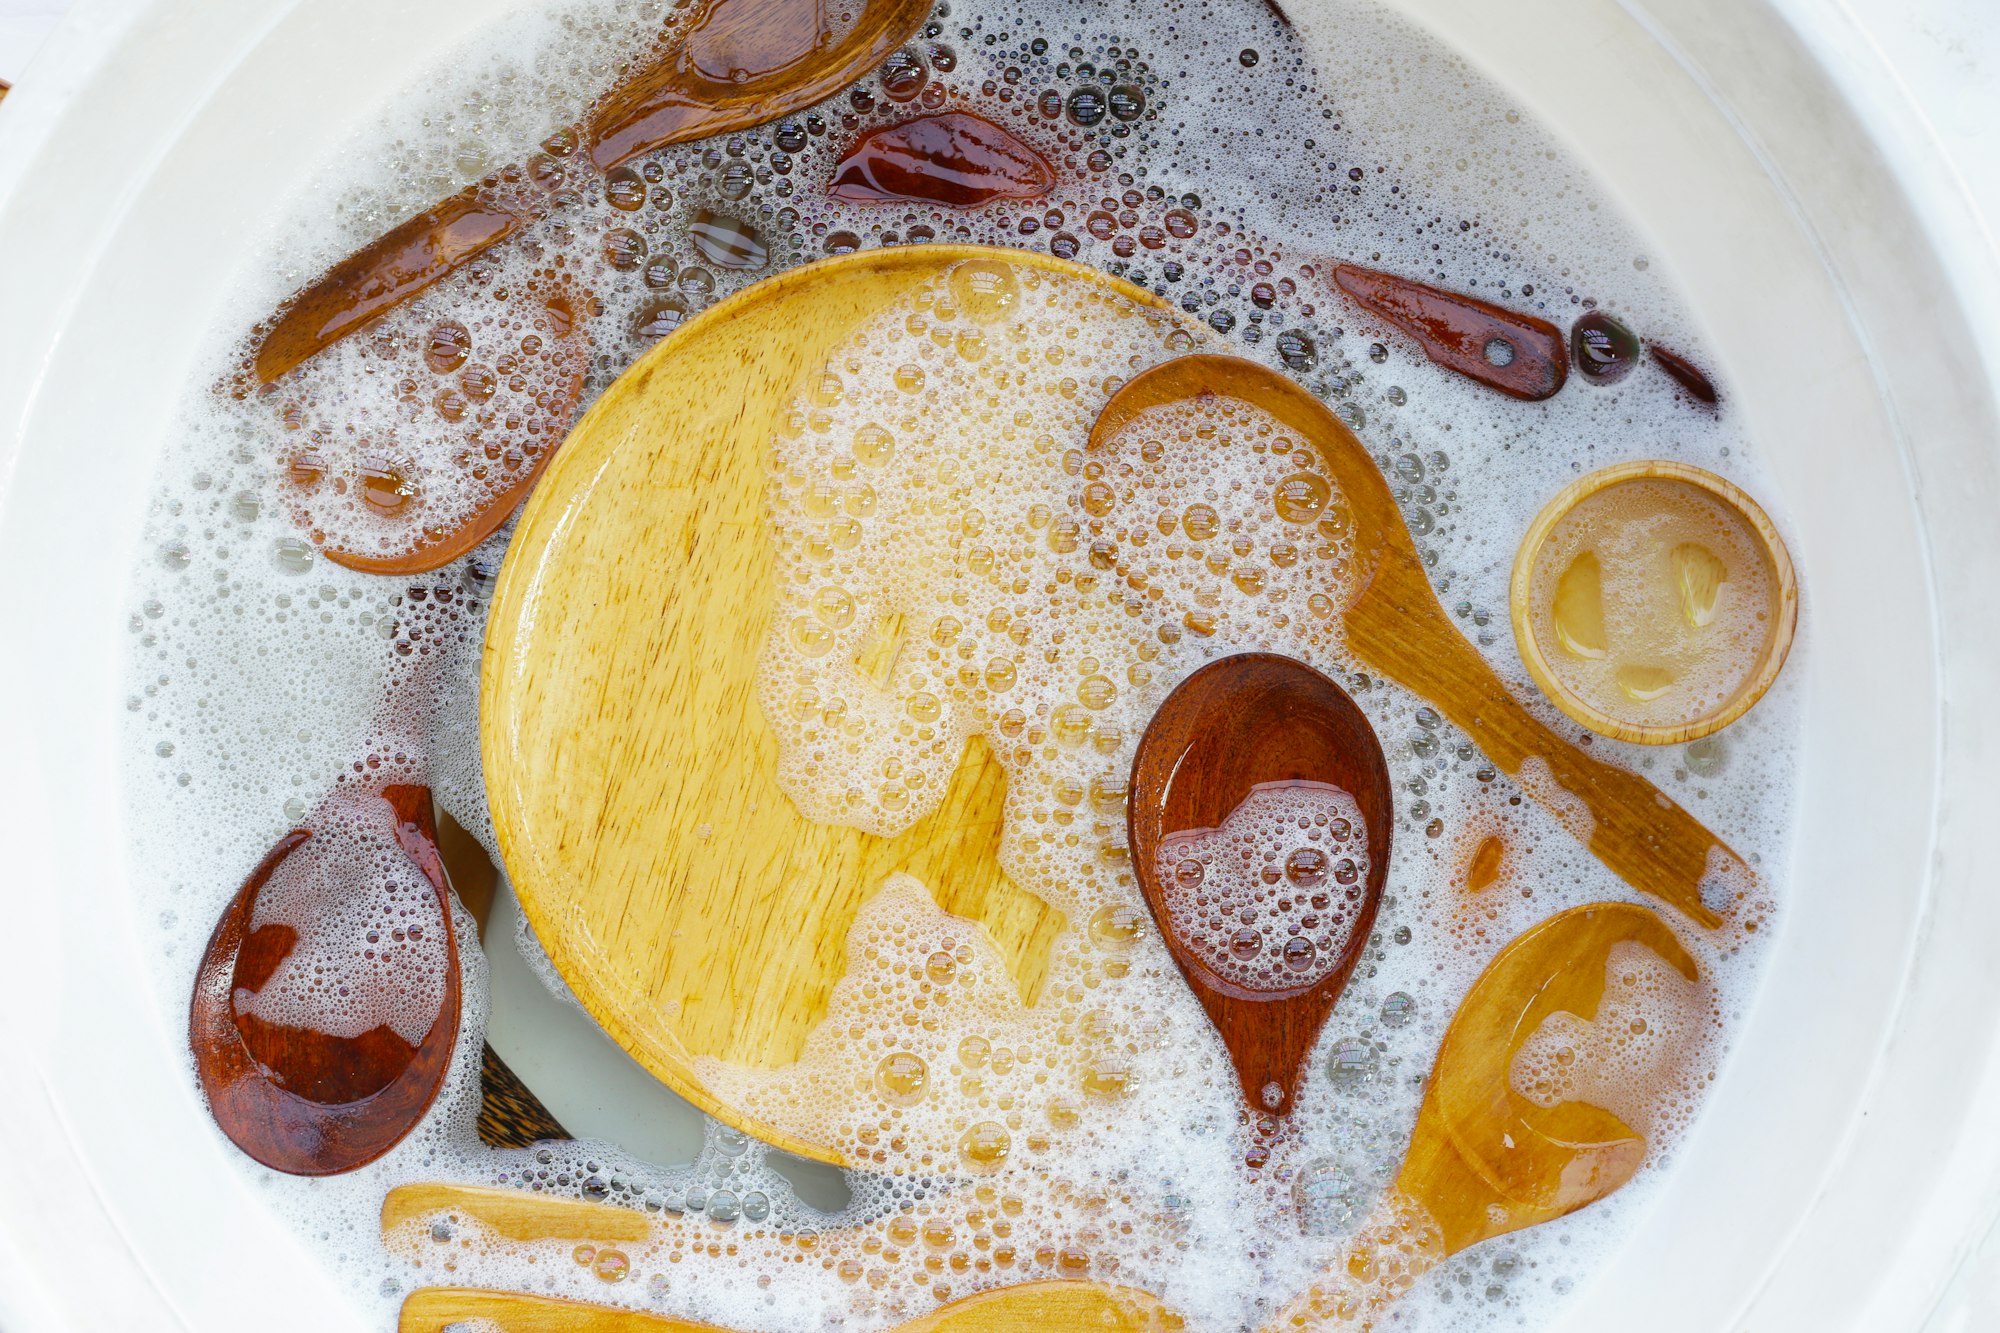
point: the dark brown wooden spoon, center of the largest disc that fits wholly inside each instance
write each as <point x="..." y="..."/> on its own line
<point x="1244" y="726"/>
<point x="1395" y="626"/>
<point x="275" y="1128"/>
<point x="294" y="1097"/>
<point x="1519" y="355"/>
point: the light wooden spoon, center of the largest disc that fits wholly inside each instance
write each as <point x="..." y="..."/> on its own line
<point x="1034" y="1307"/>
<point x="1395" y="626"/>
<point x="1483" y="1159"/>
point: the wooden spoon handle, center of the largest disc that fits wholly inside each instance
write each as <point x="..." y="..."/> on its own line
<point x="1032" y="1307"/>
<point x="435" y="1309"/>
<point x="1627" y="823"/>
<point x="516" y="1214"/>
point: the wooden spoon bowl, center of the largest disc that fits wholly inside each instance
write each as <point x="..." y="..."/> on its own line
<point x="294" y="1098"/>
<point x="1231" y="727"/>
<point x="1483" y="1159"/>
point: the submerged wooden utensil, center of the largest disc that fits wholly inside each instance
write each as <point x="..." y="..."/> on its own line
<point x="1519" y="355"/>
<point x="1484" y="1160"/>
<point x="1033" y="1307"/>
<point x="1232" y="727"/>
<point x="1778" y="629"/>
<point x="630" y="770"/>
<point x="1395" y="626"/>
<point x="510" y="1115"/>
<point x="739" y="63"/>
<point x="736" y="64"/>
<point x="743" y="63"/>
<point x="296" y="1098"/>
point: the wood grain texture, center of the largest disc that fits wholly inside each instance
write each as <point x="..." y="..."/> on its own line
<point x="295" y="1099"/>
<point x="1238" y="722"/>
<point x="742" y="63"/>
<point x="510" y="1114"/>
<point x="630" y="771"/>
<point x="1456" y="330"/>
<point x="1035" y="1307"/>
<point x="1483" y="1160"/>
<point x="1784" y="579"/>
<point x="1396" y="627"/>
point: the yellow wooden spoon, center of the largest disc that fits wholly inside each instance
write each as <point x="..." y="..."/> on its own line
<point x="1485" y="1160"/>
<point x="1035" y="1307"/>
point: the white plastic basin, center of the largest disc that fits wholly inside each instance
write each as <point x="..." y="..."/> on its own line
<point x="1845" y="1160"/>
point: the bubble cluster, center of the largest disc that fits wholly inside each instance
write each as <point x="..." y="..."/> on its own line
<point x="368" y="939"/>
<point x="1642" y="1058"/>
<point x="1270" y="898"/>
<point x="391" y="440"/>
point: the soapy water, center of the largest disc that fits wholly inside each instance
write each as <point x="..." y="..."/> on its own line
<point x="1006" y="1152"/>
<point x="368" y="940"/>
<point x="1269" y="899"/>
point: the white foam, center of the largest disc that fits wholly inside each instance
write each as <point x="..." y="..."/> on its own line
<point x="1270" y="898"/>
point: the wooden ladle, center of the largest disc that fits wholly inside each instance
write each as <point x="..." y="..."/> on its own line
<point x="1483" y="1159"/>
<point x="1229" y="729"/>
<point x="1032" y="1307"/>
<point x="1395" y="626"/>
<point x="298" y="1099"/>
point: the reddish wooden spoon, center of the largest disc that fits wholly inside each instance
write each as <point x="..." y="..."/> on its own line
<point x="1519" y="355"/>
<point x="296" y="1098"/>
<point x="1223" y="737"/>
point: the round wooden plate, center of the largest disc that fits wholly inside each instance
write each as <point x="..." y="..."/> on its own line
<point x="630" y="770"/>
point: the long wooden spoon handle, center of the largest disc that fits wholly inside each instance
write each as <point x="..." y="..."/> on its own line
<point x="515" y="1214"/>
<point x="1032" y="1307"/>
<point x="435" y="1309"/>
<point x="1627" y="823"/>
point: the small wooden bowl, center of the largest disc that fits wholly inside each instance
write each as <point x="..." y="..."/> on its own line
<point x="1776" y="646"/>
